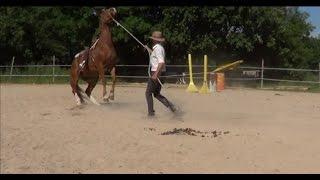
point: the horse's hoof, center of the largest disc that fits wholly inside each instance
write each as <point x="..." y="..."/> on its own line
<point x="93" y="100"/>
<point x="96" y="103"/>
<point x="106" y="99"/>
<point x="111" y="98"/>
<point x="79" y="103"/>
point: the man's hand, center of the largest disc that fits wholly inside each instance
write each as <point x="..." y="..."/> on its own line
<point x="148" y="49"/>
<point x="154" y="76"/>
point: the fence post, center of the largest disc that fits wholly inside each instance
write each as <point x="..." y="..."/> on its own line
<point x="262" y="66"/>
<point x="11" y="69"/>
<point x="53" y="64"/>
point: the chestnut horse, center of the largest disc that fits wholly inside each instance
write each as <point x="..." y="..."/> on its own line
<point x="90" y="64"/>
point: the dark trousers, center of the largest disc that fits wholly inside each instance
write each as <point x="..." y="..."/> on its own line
<point x="154" y="87"/>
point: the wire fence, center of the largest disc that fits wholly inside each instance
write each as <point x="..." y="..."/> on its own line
<point x="241" y="76"/>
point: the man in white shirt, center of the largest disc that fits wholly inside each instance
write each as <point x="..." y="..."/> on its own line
<point x="157" y="61"/>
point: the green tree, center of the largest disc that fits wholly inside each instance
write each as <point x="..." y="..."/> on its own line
<point x="34" y="34"/>
<point x="279" y="35"/>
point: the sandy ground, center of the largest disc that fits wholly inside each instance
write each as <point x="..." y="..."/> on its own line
<point x="269" y="132"/>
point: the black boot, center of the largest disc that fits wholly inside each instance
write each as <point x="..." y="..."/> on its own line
<point x="150" y="114"/>
<point x="171" y="107"/>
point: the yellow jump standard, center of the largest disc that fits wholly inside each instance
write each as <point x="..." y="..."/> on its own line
<point x="191" y="87"/>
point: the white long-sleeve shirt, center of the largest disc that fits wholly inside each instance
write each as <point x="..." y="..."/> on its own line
<point x="157" y="56"/>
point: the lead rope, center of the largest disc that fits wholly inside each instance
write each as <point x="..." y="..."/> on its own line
<point x="144" y="46"/>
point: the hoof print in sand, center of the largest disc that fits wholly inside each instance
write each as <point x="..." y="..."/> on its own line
<point x="45" y="114"/>
<point x="150" y="129"/>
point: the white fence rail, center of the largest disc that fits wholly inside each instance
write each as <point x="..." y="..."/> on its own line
<point x="245" y="69"/>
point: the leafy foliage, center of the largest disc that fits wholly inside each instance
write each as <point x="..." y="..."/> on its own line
<point x="279" y="35"/>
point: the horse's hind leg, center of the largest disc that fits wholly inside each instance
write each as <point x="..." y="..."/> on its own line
<point x="91" y="84"/>
<point x="74" y="77"/>
<point x="113" y="76"/>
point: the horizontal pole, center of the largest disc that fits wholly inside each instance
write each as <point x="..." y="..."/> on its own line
<point x="291" y="69"/>
<point x="244" y="79"/>
<point x="178" y="65"/>
<point x="286" y="80"/>
<point x="119" y="65"/>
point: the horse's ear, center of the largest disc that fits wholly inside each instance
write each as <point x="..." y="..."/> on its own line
<point x="114" y="9"/>
<point x="103" y="9"/>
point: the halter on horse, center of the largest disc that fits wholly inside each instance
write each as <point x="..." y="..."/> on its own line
<point x="90" y="64"/>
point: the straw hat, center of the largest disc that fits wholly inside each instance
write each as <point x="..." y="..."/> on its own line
<point x="157" y="36"/>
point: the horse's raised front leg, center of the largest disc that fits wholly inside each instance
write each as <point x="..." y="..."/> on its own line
<point x="113" y="76"/>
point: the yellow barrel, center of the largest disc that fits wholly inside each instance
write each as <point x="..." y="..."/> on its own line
<point x="220" y="80"/>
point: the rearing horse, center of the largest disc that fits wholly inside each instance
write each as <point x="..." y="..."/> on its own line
<point x="90" y="64"/>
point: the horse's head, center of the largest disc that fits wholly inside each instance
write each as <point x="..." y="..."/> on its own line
<point x="107" y="15"/>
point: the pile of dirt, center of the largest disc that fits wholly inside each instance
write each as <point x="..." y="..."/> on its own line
<point x="192" y="132"/>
